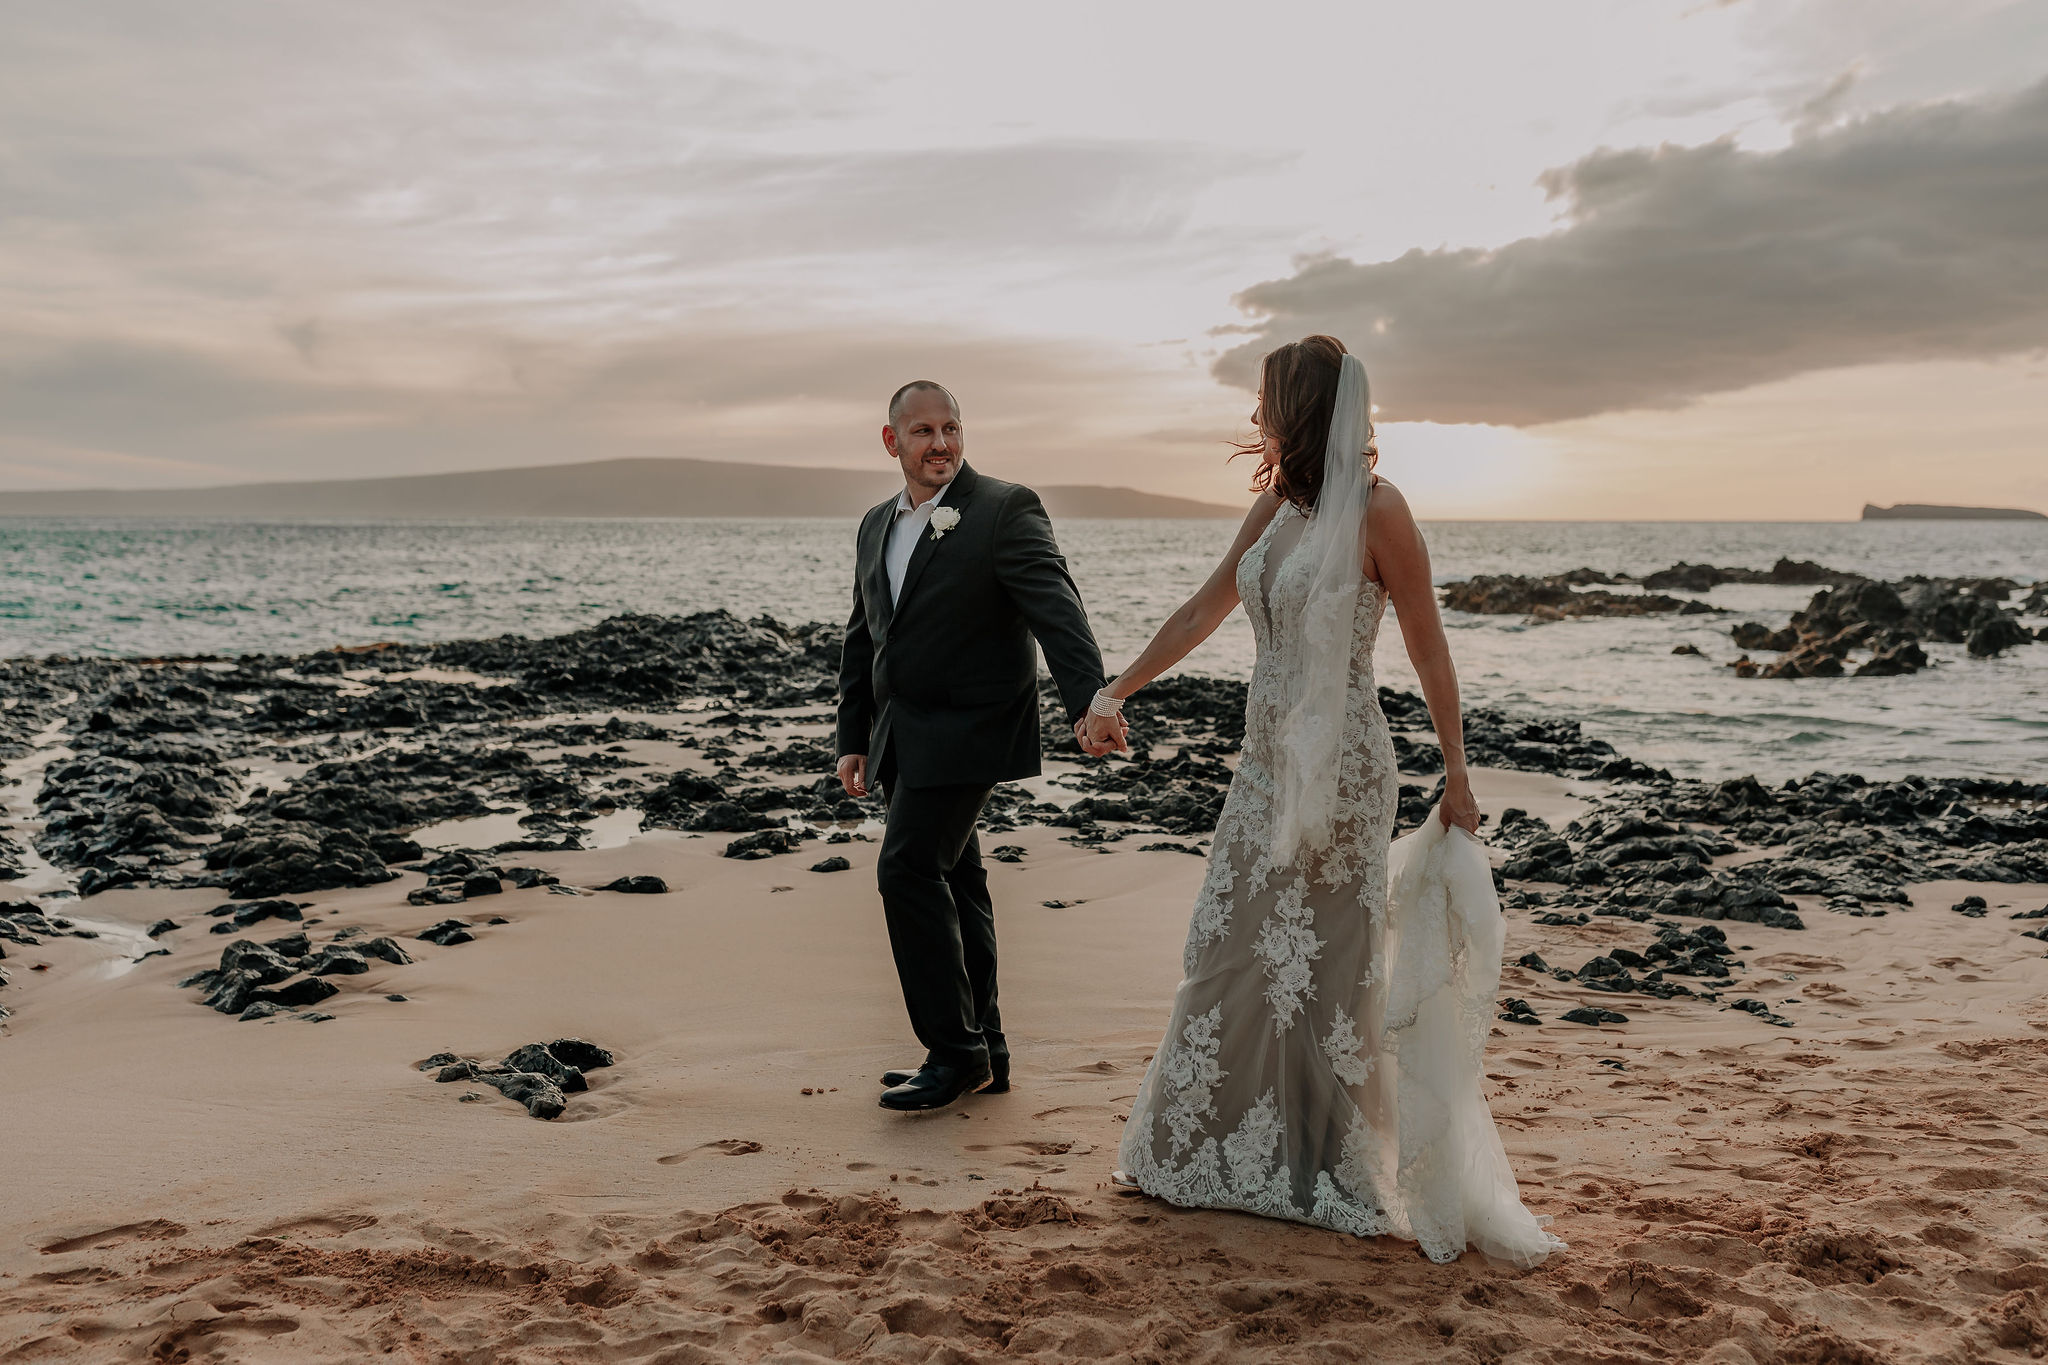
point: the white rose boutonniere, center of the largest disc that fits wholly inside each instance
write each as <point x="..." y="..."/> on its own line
<point x="944" y="519"/>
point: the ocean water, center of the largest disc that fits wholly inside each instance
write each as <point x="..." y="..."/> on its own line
<point x="196" y="587"/>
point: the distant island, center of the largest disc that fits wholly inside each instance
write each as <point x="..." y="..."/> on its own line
<point x="1924" y="511"/>
<point x="603" y="488"/>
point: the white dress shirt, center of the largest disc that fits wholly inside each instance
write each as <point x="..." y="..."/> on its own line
<point x="911" y="522"/>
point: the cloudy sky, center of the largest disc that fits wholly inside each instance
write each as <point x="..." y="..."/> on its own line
<point x="1762" y="259"/>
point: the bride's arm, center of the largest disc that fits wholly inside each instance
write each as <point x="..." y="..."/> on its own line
<point x="1398" y="558"/>
<point x="1194" y="622"/>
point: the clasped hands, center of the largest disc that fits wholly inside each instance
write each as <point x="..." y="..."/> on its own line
<point x="1098" y="735"/>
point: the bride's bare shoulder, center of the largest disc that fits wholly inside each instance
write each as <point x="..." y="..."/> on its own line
<point x="1263" y="508"/>
<point x="1387" y="504"/>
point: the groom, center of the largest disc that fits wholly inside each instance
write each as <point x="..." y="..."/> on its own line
<point x="938" y="685"/>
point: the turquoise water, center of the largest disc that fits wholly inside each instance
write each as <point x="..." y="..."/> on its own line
<point x="185" y="587"/>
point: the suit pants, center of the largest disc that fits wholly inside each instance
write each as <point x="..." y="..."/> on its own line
<point x="942" y="924"/>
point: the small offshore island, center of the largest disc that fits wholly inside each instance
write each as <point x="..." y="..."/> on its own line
<point x="1927" y="511"/>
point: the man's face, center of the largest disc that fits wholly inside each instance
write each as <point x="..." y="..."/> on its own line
<point x="927" y="441"/>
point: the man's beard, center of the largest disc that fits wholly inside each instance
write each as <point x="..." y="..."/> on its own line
<point x="930" y="475"/>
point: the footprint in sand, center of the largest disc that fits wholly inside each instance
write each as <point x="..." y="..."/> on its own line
<point x="1047" y="1148"/>
<point x="1035" y="1152"/>
<point x="335" y="1225"/>
<point x="722" y="1147"/>
<point x="1052" y="1148"/>
<point x="155" y="1230"/>
<point x="85" y="1274"/>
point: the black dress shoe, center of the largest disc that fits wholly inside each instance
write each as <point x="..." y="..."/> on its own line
<point x="935" y="1087"/>
<point x="999" y="1067"/>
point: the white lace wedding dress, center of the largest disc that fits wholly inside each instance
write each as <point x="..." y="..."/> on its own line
<point x="1322" y="1059"/>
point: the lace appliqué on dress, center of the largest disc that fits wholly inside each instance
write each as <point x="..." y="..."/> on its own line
<point x="1342" y="1046"/>
<point x="1288" y="947"/>
<point x="1190" y="1070"/>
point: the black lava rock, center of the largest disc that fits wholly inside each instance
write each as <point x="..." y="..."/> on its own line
<point x="448" y="933"/>
<point x="385" y="949"/>
<point x="727" y="817"/>
<point x="766" y="844"/>
<point x="1761" y="1011"/>
<point x="535" y="1057"/>
<point x="336" y="962"/>
<point x="1517" y="1011"/>
<point x="290" y="945"/>
<point x="541" y="1096"/>
<point x="242" y="916"/>
<point x="1554" y="597"/>
<point x="245" y="967"/>
<point x="297" y="994"/>
<point x="162" y="926"/>
<point x="832" y="864"/>
<point x="1593" y="1014"/>
<point x="580" y="1053"/>
<point x="645" y="885"/>
<point x="276" y="858"/>
<point x="1605" y="974"/>
<point x="1997" y="635"/>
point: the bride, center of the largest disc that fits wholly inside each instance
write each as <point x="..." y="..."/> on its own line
<point x="1321" y="1063"/>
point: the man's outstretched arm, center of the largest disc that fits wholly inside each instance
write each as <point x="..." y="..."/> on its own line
<point x="1034" y="573"/>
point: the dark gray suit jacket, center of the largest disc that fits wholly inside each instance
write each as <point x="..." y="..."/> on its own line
<point x="942" y="688"/>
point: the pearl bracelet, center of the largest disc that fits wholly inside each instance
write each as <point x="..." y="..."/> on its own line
<point x="1105" y="705"/>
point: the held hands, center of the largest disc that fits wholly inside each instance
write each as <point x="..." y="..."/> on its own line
<point x="853" y="774"/>
<point x="1099" y="735"/>
<point x="1459" y="807"/>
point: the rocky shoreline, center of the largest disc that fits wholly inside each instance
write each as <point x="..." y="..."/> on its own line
<point x="274" y="777"/>
<point x="1850" y="615"/>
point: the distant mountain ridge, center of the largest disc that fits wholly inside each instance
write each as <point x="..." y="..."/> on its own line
<point x="1924" y="511"/>
<point x="603" y="488"/>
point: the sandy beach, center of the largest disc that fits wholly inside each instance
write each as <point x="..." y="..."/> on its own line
<point x="1864" y="1185"/>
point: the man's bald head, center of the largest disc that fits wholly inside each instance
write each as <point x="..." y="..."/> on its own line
<point x="917" y="386"/>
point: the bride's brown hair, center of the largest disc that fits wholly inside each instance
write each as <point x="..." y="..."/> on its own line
<point x="1297" y="395"/>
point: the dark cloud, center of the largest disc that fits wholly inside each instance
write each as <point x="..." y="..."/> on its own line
<point x="1919" y="233"/>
